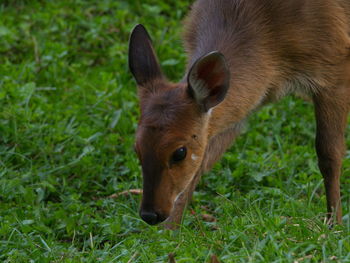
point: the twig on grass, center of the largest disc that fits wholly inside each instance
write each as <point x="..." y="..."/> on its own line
<point x="127" y="192"/>
<point x="133" y="257"/>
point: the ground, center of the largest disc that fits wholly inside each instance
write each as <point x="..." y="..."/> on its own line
<point x="68" y="112"/>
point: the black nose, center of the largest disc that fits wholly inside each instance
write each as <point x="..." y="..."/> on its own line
<point x="151" y="217"/>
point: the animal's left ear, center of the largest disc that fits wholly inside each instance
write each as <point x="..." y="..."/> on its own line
<point x="208" y="80"/>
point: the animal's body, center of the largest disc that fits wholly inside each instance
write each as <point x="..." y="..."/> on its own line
<point x="242" y="54"/>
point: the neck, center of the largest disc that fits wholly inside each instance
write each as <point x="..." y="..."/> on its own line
<point x="233" y="33"/>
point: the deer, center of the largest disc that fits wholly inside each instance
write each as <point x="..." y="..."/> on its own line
<point x="241" y="55"/>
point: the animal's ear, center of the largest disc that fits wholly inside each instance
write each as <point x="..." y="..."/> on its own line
<point x="143" y="61"/>
<point x="208" y="80"/>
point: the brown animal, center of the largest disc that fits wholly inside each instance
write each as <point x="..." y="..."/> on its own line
<point x="242" y="54"/>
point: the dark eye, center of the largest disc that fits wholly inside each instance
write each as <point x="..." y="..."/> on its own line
<point x="179" y="155"/>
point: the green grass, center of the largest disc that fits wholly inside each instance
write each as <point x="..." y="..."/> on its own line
<point x="68" y="112"/>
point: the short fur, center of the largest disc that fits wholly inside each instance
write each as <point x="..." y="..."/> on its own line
<point x="272" y="48"/>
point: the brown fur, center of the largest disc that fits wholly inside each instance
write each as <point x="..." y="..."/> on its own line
<point x="272" y="48"/>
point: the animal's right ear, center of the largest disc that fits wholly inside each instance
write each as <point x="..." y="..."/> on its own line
<point x="143" y="62"/>
<point x="208" y="80"/>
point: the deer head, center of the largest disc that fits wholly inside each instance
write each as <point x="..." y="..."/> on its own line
<point x="172" y="134"/>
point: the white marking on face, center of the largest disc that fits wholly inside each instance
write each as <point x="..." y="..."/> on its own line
<point x="177" y="197"/>
<point x="194" y="157"/>
<point x="184" y="189"/>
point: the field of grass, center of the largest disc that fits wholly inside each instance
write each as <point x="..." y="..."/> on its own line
<point x="68" y="112"/>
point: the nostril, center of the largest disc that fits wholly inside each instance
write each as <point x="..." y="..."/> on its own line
<point x="149" y="217"/>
